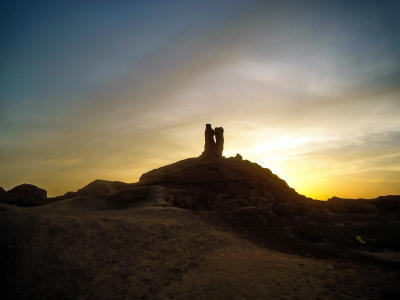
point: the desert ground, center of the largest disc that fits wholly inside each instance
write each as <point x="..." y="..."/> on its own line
<point x="76" y="249"/>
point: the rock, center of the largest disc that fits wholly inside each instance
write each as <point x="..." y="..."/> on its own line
<point x="209" y="143"/>
<point x="213" y="147"/>
<point x="219" y="141"/>
<point x="238" y="156"/>
<point x="26" y="195"/>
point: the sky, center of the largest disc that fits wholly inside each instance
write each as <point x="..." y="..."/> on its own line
<point x="112" y="89"/>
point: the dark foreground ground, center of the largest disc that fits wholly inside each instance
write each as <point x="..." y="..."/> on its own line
<point x="85" y="248"/>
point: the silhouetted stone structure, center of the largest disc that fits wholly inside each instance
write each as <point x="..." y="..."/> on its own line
<point x="213" y="147"/>
<point x="209" y="143"/>
<point x="219" y="140"/>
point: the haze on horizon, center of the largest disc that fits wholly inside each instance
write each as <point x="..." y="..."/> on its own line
<point x="112" y="89"/>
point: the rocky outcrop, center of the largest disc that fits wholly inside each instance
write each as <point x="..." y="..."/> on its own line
<point x="219" y="141"/>
<point x="25" y="195"/>
<point x="209" y="142"/>
<point x="213" y="147"/>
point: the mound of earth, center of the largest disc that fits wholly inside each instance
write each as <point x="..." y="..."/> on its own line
<point x="226" y="183"/>
<point x="102" y="187"/>
<point x="385" y="205"/>
<point x="244" y="193"/>
<point x="97" y="187"/>
<point x="24" y="195"/>
<point x="225" y="170"/>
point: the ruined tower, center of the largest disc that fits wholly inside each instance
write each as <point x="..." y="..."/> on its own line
<point x="213" y="147"/>
<point x="219" y="140"/>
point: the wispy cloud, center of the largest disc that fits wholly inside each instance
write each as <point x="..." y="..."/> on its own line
<point x="65" y="161"/>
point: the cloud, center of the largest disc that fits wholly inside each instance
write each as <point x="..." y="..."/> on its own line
<point x="65" y="161"/>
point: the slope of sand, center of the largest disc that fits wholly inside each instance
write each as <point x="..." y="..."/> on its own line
<point x="76" y="249"/>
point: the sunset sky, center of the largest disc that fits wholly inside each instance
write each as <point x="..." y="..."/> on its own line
<point x="112" y="89"/>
